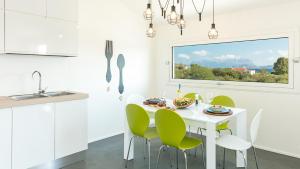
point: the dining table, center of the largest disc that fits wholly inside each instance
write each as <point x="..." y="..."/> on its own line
<point x="194" y="115"/>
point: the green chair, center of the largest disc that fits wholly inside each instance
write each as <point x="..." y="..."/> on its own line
<point x="172" y="132"/>
<point x="227" y="102"/>
<point x="193" y="96"/>
<point x="138" y="122"/>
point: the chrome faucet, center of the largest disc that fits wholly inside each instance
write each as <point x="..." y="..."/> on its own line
<point x="40" y="90"/>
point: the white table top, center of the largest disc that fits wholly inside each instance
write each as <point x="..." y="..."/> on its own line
<point x="195" y="113"/>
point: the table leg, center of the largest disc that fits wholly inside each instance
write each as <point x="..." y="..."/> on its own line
<point x="211" y="146"/>
<point x="242" y="133"/>
<point x="127" y="136"/>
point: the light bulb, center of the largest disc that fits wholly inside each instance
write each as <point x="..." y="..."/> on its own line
<point x="181" y="22"/>
<point x="150" y="31"/>
<point x="172" y="17"/>
<point x="148" y="12"/>
<point x="213" y="33"/>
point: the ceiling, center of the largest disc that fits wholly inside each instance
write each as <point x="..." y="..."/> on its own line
<point x="221" y="6"/>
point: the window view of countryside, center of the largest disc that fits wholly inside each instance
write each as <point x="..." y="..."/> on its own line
<point x="264" y="61"/>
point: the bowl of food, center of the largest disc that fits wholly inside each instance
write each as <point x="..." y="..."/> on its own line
<point x="183" y="102"/>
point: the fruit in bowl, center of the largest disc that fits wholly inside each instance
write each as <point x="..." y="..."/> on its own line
<point x="182" y="103"/>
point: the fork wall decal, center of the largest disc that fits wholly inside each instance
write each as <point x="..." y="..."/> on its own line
<point x="108" y="55"/>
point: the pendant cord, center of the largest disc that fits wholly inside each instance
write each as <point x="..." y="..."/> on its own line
<point x="204" y="2"/>
<point x="165" y="6"/>
<point x="213" y="11"/>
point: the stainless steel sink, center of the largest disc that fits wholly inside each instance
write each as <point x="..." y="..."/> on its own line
<point x="62" y="93"/>
<point x="43" y="95"/>
<point x="26" y="96"/>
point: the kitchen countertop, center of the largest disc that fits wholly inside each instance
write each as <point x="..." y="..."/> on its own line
<point x="6" y="102"/>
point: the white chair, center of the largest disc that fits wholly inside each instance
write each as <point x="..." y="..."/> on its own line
<point x="235" y="143"/>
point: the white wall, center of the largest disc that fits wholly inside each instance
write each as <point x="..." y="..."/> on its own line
<point x="279" y="130"/>
<point x="99" y="20"/>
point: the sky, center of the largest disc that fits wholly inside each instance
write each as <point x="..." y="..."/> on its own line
<point x="257" y="53"/>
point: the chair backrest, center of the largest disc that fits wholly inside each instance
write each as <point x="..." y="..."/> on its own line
<point x="255" y="125"/>
<point x="193" y="96"/>
<point x="138" y="119"/>
<point x="223" y="101"/>
<point x="170" y="127"/>
<point x="135" y="99"/>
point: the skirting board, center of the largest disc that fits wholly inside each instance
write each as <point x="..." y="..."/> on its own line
<point x="105" y="137"/>
<point x="277" y="151"/>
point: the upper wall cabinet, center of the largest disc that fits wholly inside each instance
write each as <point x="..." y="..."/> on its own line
<point x="61" y="37"/>
<point x="39" y="27"/>
<point x="1" y="4"/>
<point x="25" y="34"/>
<point x="63" y="9"/>
<point x="1" y="31"/>
<point x="36" y="7"/>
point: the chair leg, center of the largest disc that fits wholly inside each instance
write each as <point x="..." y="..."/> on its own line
<point x="230" y="131"/>
<point x="149" y="154"/>
<point x="161" y="147"/>
<point x="170" y="157"/>
<point x="177" y="158"/>
<point x="203" y="155"/>
<point x="224" y="158"/>
<point x="245" y="161"/>
<point x="128" y="151"/>
<point x="185" y="159"/>
<point x="145" y="147"/>
<point x="190" y="134"/>
<point x="255" y="156"/>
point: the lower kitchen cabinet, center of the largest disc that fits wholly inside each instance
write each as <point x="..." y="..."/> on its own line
<point x="5" y="141"/>
<point x="33" y="135"/>
<point x="70" y="127"/>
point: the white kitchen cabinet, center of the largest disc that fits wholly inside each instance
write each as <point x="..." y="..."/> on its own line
<point x="61" y="37"/>
<point x="1" y="4"/>
<point x="5" y="141"/>
<point x="36" y="7"/>
<point x="63" y="9"/>
<point x="70" y="127"/>
<point x="1" y="31"/>
<point x="33" y="135"/>
<point x="25" y="33"/>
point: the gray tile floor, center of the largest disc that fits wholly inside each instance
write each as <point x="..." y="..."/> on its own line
<point x="108" y="154"/>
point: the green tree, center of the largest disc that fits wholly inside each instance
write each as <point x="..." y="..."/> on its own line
<point x="201" y="73"/>
<point x="281" y="66"/>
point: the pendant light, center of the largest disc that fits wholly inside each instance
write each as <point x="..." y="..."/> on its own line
<point x="180" y="20"/>
<point x="150" y="31"/>
<point x="172" y="17"/>
<point x="213" y="33"/>
<point x="148" y="14"/>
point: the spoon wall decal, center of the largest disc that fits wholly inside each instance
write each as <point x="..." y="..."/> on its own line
<point x="108" y="55"/>
<point x="121" y="64"/>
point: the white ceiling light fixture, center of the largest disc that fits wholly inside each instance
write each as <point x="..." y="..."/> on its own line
<point x="177" y="17"/>
<point x="213" y="33"/>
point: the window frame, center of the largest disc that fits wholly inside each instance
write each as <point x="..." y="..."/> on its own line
<point x="292" y="35"/>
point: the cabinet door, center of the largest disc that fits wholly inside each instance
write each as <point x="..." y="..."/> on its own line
<point x="61" y="37"/>
<point x="63" y="9"/>
<point x="5" y="141"/>
<point x="25" y="33"/>
<point x="1" y="31"/>
<point x="33" y="135"/>
<point x="70" y="128"/>
<point x="36" y="7"/>
<point x="2" y="4"/>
